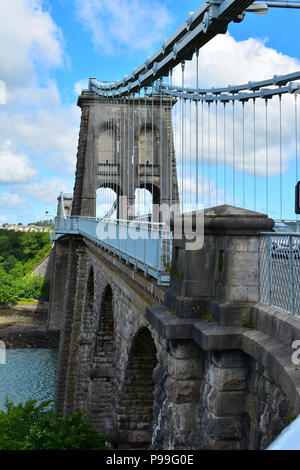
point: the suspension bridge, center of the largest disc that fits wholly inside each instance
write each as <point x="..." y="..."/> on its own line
<point x="156" y="150"/>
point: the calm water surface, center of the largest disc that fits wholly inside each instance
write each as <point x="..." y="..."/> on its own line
<point x="28" y="373"/>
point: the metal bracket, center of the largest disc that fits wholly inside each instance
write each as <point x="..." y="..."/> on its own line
<point x="211" y="21"/>
<point x="189" y="20"/>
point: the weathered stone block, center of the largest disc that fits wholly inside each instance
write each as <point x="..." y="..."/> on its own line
<point x="181" y="369"/>
<point x="231" y="313"/>
<point x="236" y="244"/>
<point x="134" y="436"/>
<point x="228" y="379"/>
<point x="158" y="374"/>
<point x="182" y="349"/>
<point x="226" y="403"/>
<point x="184" y="391"/>
<point x="223" y="428"/>
<point x="230" y="359"/>
<point x="238" y="293"/>
<point x="230" y="444"/>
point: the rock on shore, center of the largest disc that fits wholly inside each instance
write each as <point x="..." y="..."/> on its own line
<point x="24" y="326"/>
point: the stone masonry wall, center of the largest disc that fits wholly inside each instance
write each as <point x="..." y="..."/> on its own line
<point x="135" y="410"/>
<point x="102" y="364"/>
<point x="147" y="390"/>
<point x="105" y="351"/>
<point x="215" y="401"/>
<point x="45" y="267"/>
<point x="268" y="408"/>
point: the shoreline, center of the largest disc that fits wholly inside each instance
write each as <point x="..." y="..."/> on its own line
<point x="24" y="326"/>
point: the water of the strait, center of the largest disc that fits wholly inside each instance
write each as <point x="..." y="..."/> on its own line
<point x="28" y="373"/>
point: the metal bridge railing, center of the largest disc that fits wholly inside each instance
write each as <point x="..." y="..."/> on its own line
<point x="145" y="245"/>
<point x="280" y="271"/>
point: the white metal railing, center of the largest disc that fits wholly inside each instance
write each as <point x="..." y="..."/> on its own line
<point x="145" y="245"/>
<point x="280" y="271"/>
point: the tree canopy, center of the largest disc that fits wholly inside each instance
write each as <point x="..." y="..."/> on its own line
<point x="20" y="253"/>
<point x="35" y="426"/>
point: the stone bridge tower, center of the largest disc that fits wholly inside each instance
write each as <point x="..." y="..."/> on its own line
<point x="124" y="145"/>
<point x="201" y="364"/>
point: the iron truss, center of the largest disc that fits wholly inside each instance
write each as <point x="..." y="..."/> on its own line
<point x="281" y="84"/>
<point x="211" y="18"/>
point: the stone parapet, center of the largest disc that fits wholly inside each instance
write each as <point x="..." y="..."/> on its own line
<point x="222" y="278"/>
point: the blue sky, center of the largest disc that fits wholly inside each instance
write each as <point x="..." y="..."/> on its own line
<point x="48" y="50"/>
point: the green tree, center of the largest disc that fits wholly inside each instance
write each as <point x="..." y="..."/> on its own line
<point x="20" y="253"/>
<point x="9" y="263"/>
<point x="33" y="426"/>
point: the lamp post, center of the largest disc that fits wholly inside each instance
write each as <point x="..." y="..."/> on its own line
<point x="261" y="8"/>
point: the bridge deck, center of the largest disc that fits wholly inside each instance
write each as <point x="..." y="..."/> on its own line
<point x="146" y="246"/>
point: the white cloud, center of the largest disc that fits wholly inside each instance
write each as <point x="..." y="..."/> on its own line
<point x="225" y="61"/>
<point x="34" y="119"/>
<point x="45" y="126"/>
<point x="15" y="168"/>
<point x="81" y="85"/>
<point x="135" y="24"/>
<point x="50" y="132"/>
<point x="11" y="201"/>
<point x="27" y="34"/>
<point x="47" y="190"/>
<point x="209" y="194"/>
<point x="41" y="131"/>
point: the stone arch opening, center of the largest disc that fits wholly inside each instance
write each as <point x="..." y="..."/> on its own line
<point x="147" y="201"/>
<point x="149" y="139"/>
<point x="153" y="190"/>
<point x="108" y="144"/>
<point x="143" y="203"/>
<point x="136" y="404"/>
<point x="107" y="201"/>
<point x="102" y="367"/>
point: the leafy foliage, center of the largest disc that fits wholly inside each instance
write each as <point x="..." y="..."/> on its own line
<point x="20" y="253"/>
<point x="33" y="426"/>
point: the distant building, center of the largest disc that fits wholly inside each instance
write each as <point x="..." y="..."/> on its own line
<point x="25" y="228"/>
